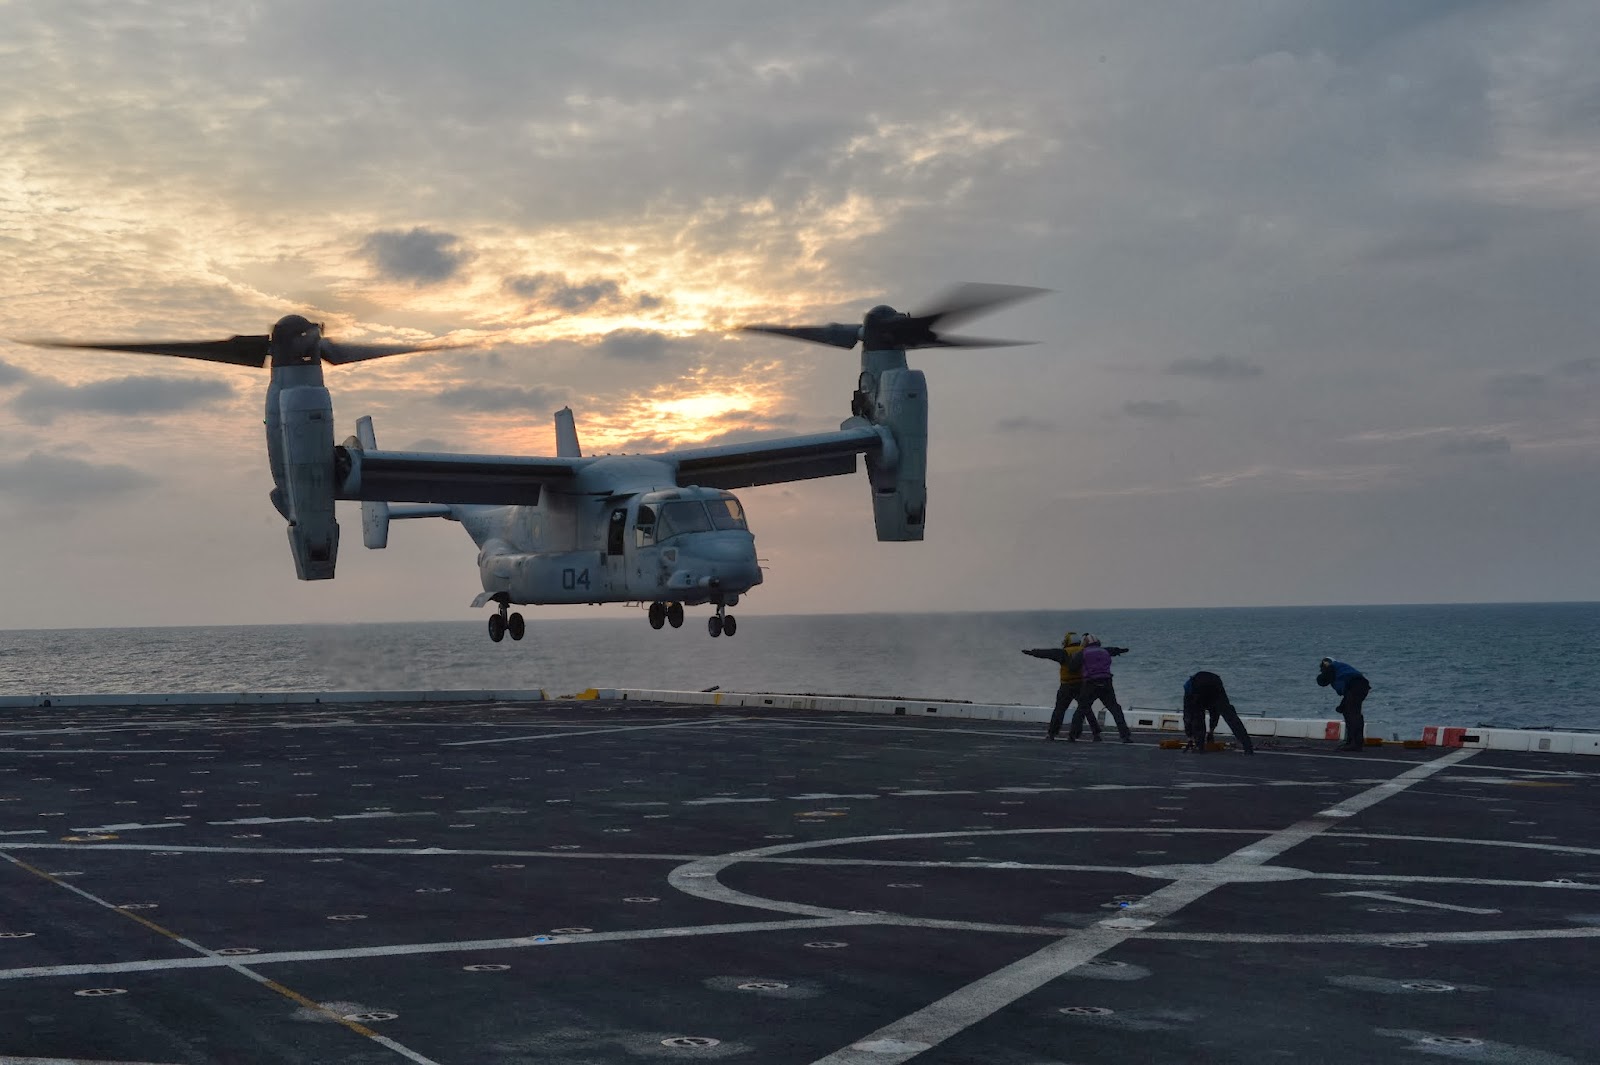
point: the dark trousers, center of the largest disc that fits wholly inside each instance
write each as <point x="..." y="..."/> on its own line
<point x="1064" y="697"/>
<point x="1355" y="724"/>
<point x="1100" y="688"/>
<point x="1197" y="706"/>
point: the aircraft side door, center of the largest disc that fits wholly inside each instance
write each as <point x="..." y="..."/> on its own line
<point x="617" y="551"/>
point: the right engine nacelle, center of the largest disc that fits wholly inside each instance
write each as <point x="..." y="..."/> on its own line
<point x="900" y="481"/>
<point x="305" y="419"/>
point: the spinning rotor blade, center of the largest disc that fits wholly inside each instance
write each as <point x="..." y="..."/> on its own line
<point x="235" y="351"/>
<point x="884" y="328"/>
<point x="974" y="342"/>
<point x="973" y="298"/>
<point x="835" y="334"/>
<point x="339" y="354"/>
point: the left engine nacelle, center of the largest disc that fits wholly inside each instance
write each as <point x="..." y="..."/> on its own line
<point x="305" y="419"/>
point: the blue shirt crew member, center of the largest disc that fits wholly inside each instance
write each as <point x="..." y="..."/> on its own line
<point x="1348" y="683"/>
<point x="1204" y="694"/>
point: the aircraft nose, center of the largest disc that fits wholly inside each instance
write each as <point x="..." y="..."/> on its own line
<point x="730" y="558"/>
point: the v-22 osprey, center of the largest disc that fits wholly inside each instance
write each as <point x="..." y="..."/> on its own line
<point x="660" y="529"/>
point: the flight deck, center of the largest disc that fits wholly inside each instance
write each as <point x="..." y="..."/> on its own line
<point x="593" y="881"/>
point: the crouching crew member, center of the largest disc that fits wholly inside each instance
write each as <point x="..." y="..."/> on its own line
<point x="1071" y="680"/>
<point x="1352" y="688"/>
<point x="1095" y="662"/>
<point x="1204" y="694"/>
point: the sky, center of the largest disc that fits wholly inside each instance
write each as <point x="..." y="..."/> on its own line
<point x="1322" y="322"/>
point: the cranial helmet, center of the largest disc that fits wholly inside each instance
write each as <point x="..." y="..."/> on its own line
<point x="1325" y="663"/>
<point x="1091" y="640"/>
<point x="1069" y="638"/>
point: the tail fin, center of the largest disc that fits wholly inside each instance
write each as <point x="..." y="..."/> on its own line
<point x="376" y="514"/>
<point x="567" y="435"/>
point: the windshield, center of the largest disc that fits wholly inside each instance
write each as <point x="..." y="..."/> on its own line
<point x="684" y="516"/>
<point x="726" y="513"/>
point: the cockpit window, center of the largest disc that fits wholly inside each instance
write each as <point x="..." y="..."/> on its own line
<point x="644" y="526"/>
<point x="726" y="513"/>
<point x="684" y="516"/>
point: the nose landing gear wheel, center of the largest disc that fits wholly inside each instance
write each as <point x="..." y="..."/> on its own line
<point x="729" y="626"/>
<point x="675" y="615"/>
<point x="658" y="615"/>
<point x="516" y="626"/>
<point x="497" y="627"/>
<point x="714" y="625"/>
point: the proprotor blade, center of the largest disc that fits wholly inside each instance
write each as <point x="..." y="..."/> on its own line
<point x="974" y="342"/>
<point x="339" y="354"/>
<point x="972" y="298"/>
<point x="235" y="351"/>
<point x="834" y="334"/>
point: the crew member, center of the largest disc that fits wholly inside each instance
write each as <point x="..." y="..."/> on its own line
<point x="1204" y="694"/>
<point x="1071" y="681"/>
<point x="1352" y="687"/>
<point x="1095" y="662"/>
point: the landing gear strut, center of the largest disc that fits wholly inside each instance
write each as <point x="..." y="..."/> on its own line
<point x="501" y="623"/>
<point x="721" y="623"/>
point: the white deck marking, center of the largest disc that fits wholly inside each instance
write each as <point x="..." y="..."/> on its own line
<point x="131" y="826"/>
<point x="1386" y="897"/>
<point x="215" y="960"/>
<point x="938" y="1021"/>
<point x="99" y="750"/>
<point x="698" y="722"/>
<point x="212" y="961"/>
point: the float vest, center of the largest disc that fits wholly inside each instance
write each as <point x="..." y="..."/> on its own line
<point x="1096" y="663"/>
<point x="1070" y="675"/>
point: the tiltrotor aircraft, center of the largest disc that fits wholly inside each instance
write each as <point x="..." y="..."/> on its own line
<point x="661" y="529"/>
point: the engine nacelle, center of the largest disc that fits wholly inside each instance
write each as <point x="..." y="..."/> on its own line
<point x="899" y="480"/>
<point x="305" y="420"/>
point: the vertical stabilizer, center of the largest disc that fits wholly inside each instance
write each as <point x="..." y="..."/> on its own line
<point x="567" y="435"/>
<point x="374" y="513"/>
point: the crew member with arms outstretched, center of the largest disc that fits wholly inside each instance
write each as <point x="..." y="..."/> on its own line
<point x="1352" y="687"/>
<point x="1071" y="681"/>
<point x="1203" y="694"/>
<point x="1095" y="663"/>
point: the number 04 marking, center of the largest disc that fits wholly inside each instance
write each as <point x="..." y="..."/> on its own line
<point x="572" y="579"/>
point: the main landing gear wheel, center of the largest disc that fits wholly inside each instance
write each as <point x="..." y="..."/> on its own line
<point x="675" y="615"/>
<point x="658" y="615"/>
<point x="497" y="627"/>
<point x="721" y="623"/>
<point x="516" y="626"/>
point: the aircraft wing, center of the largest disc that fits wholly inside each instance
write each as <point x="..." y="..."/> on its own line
<point x="428" y="477"/>
<point x="792" y="458"/>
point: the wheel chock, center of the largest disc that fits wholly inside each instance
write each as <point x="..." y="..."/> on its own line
<point x="1172" y="745"/>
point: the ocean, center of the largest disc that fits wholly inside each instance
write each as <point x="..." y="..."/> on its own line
<point x="1512" y="665"/>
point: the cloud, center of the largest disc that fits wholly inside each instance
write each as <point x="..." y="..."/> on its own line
<point x="421" y="256"/>
<point x="500" y="398"/>
<point x="1218" y="368"/>
<point x="1159" y="409"/>
<point x="1024" y="424"/>
<point x="428" y="443"/>
<point x="555" y="291"/>
<point x="1476" y="445"/>
<point x="43" y="401"/>
<point x="1519" y="383"/>
<point x="12" y="375"/>
<point x="57" y="479"/>
<point x="638" y="345"/>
